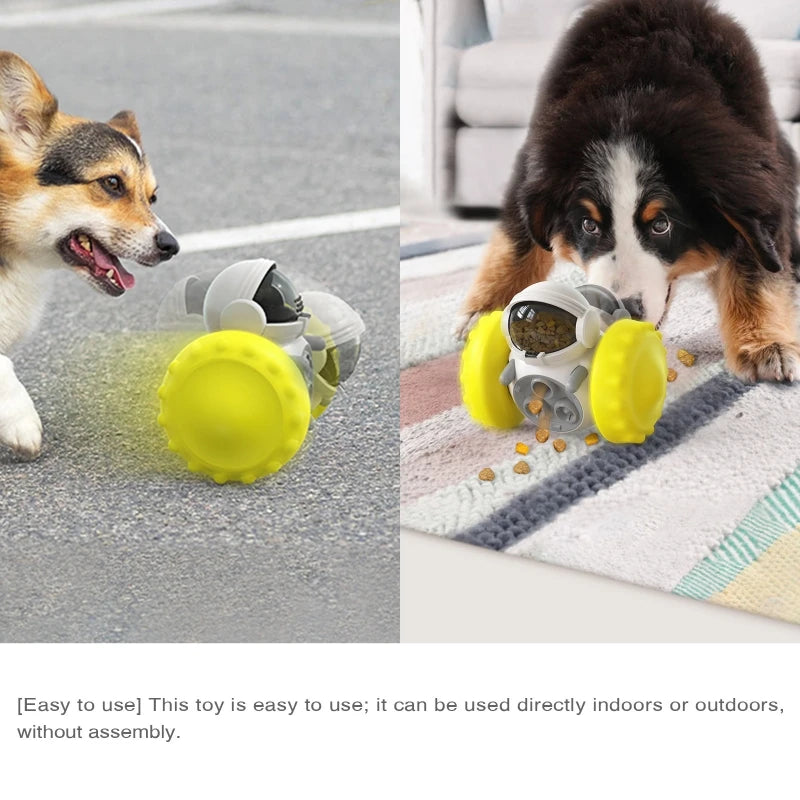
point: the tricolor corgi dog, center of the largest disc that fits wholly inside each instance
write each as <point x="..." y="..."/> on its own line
<point x="75" y="194"/>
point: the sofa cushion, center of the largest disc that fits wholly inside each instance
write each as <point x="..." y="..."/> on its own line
<point x="497" y="81"/>
<point x="768" y="19"/>
<point x="781" y="60"/>
<point x="539" y="20"/>
<point x="483" y="161"/>
<point x="765" y="19"/>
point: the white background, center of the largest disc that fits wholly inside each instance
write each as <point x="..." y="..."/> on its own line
<point x="452" y="755"/>
<point x="454" y="592"/>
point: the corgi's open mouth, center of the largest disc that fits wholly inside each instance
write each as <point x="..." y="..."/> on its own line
<point x="103" y="269"/>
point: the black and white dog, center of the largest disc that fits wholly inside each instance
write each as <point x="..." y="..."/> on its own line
<point x="653" y="152"/>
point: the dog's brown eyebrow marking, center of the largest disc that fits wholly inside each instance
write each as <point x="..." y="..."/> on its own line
<point x="651" y="210"/>
<point x="594" y="211"/>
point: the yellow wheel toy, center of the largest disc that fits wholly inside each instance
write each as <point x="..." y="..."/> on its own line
<point x="234" y="405"/>
<point x="483" y="359"/>
<point x="628" y="382"/>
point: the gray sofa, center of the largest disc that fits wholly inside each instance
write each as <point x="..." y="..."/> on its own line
<point x="483" y="60"/>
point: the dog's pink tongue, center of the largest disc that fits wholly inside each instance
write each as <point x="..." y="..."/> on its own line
<point x="104" y="262"/>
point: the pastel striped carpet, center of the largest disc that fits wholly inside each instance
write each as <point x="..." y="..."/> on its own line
<point x="708" y="507"/>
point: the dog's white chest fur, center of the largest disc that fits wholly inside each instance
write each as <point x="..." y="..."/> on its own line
<point x="22" y="299"/>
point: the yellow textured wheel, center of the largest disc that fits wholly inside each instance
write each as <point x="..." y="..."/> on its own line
<point x="234" y="406"/>
<point x="484" y="357"/>
<point x="628" y="381"/>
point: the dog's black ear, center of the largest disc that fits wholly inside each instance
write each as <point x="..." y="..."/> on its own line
<point x="748" y="189"/>
<point x="125" y="122"/>
<point x="537" y="208"/>
<point x="758" y="235"/>
<point x="26" y="105"/>
<point x="528" y="206"/>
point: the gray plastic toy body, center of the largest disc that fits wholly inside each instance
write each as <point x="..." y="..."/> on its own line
<point x="552" y="329"/>
<point x="318" y="331"/>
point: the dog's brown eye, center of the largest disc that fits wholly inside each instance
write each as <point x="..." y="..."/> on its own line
<point x="590" y="226"/>
<point x="153" y="198"/>
<point x="660" y="226"/>
<point x="113" y="185"/>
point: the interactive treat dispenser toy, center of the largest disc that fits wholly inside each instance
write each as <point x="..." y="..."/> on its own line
<point x="569" y="359"/>
<point x="236" y="402"/>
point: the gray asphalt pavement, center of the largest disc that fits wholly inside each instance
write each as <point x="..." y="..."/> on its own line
<point x="107" y="537"/>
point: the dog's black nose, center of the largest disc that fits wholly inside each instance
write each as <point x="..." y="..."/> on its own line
<point x="167" y="244"/>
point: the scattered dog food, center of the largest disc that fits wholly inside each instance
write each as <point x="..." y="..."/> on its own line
<point x="671" y="374"/>
<point x="685" y="357"/>
<point x="486" y="474"/>
<point x="559" y="445"/>
<point x="522" y="448"/>
<point x="535" y="405"/>
<point x="522" y="468"/>
<point x="542" y="435"/>
<point x="591" y="438"/>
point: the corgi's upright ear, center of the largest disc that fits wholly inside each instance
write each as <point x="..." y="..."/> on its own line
<point x="125" y="122"/>
<point x="26" y="106"/>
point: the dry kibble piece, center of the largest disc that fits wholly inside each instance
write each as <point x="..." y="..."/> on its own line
<point x="685" y="357"/>
<point x="522" y="448"/>
<point x="591" y="438"/>
<point x="535" y="405"/>
<point x="559" y="445"/>
<point x="542" y="435"/>
<point x="672" y="374"/>
<point x="522" y="468"/>
<point x="486" y="474"/>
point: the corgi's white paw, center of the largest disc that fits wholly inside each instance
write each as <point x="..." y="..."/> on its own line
<point x="20" y="426"/>
<point x="23" y="435"/>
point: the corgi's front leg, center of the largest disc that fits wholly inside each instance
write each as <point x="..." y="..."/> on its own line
<point x="20" y="426"/>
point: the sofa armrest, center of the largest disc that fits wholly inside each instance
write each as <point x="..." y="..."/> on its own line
<point x="450" y="26"/>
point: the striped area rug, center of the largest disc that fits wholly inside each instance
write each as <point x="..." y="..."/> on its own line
<point x="708" y="507"/>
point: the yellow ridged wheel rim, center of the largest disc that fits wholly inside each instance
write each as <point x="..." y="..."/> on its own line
<point x="234" y="406"/>
<point x="484" y="357"/>
<point x="628" y="382"/>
